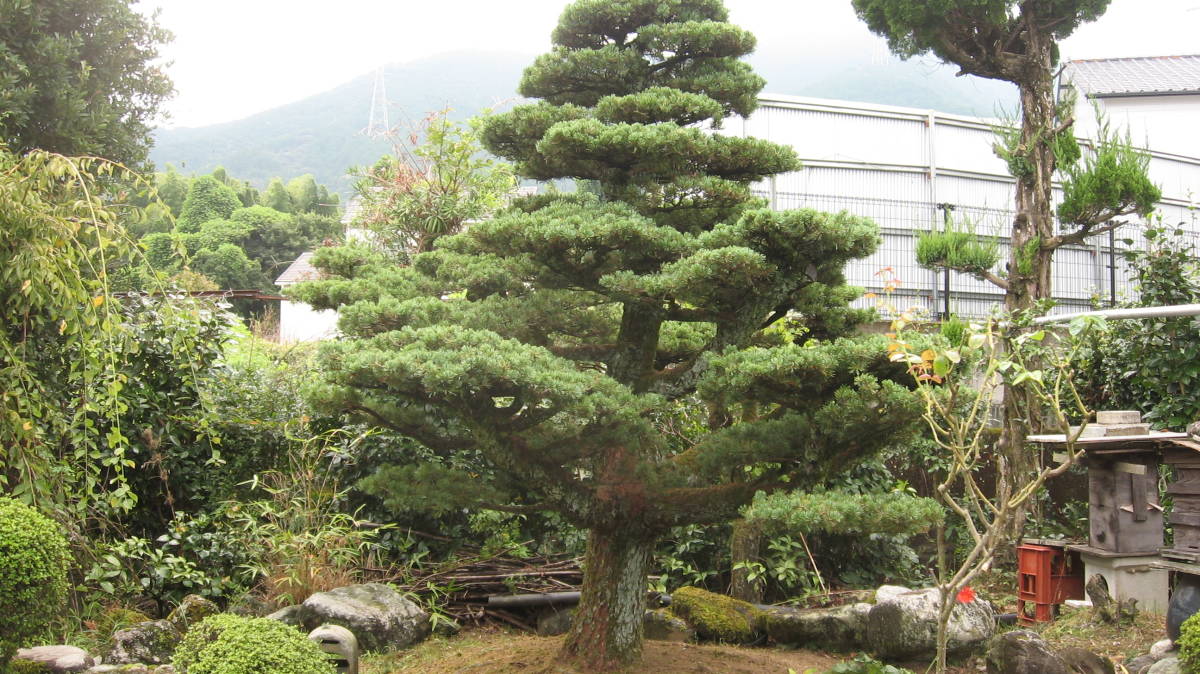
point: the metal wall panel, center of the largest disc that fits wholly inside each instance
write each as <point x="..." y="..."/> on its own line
<point x="889" y="164"/>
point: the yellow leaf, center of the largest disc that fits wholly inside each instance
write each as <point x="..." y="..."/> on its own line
<point x="928" y="354"/>
<point x="25" y="285"/>
<point x="97" y="300"/>
<point x="27" y="425"/>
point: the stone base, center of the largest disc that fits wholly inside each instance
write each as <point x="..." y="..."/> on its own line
<point x="1131" y="577"/>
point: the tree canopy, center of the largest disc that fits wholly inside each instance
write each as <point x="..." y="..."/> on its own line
<point x="546" y="341"/>
<point x="78" y="77"/>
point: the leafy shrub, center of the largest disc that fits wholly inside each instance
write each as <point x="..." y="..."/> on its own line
<point x="231" y="644"/>
<point x="1189" y="644"/>
<point x="1151" y="364"/>
<point x="865" y="664"/>
<point x="33" y="574"/>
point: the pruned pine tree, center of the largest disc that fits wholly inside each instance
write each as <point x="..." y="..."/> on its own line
<point x="546" y="341"/>
<point x="1016" y="41"/>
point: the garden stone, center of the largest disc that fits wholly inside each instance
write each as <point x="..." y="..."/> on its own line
<point x="341" y="645"/>
<point x="839" y="628"/>
<point x="1083" y="661"/>
<point x="1162" y="649"/>
<point x="662" y="625"/>
<point x="150" y="642"/>
<point x="250" y="606"/>
<point x="190" y="611"/>
<point x="288" y="615"/>
<point x="886" y="592"/>
<point x="1166" y="666"/>
<point x="554" y="622"/>
<point x="381" y="618"/>
<point x="1023" y="652"/>
<point x="904" y="624"/>
<point x="1140" y="664"/>
<point x="57" y="658"/>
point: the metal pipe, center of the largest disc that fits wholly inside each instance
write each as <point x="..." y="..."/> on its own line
<point x="1122" y="314"/>
<point x="517" y="600"/>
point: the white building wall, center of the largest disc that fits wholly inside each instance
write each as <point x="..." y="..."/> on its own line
<point x="299" y="322"/>
<point x="1168" y="124"/>
<point x="895" y="165"/>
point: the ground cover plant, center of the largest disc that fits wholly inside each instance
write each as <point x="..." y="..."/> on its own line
<point x="543" y="343"/>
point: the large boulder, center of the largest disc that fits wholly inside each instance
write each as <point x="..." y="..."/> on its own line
<point x="1083" y="661"/>
<point x="150" y="643"/>
<point x="381" y="618"/>
<point x="54" y="658"/>
<point x="716" y="617"/>
<point x="1023" y="652"/>
<point x="903" y="625"/>
<point x="1166" y="666"/>
<point x="839" y="628"/>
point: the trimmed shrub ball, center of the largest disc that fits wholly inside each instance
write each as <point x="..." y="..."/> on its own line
<point x="1189" y="645"/>
<point x="232" y="644"/>
<point x="33" y="575"/>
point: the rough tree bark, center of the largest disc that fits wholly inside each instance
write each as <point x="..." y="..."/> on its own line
<point x="606" y="632"/>
<point x="1031" y="252"/>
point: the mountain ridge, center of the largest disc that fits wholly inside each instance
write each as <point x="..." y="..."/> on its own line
<point x="323" y="133"/>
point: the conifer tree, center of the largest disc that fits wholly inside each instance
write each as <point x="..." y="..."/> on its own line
<point x="545" y="342"/>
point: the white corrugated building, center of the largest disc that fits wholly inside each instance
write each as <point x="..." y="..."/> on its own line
<point x="1157" y="98"/>
<point x="896" y="165"/>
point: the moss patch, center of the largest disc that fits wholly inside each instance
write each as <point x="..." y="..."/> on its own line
<point x="715" y="616"/>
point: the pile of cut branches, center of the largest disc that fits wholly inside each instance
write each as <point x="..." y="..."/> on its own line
<point x="459" y="588"/>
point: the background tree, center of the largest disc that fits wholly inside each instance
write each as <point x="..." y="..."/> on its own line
<point x="1015" y="41"/>
<point x="77" y="77"/>
<point x="436" y="181"/>
<point x="207" y="199"/>
<point x="304" y="193"/>
<point x="546" y="341"/>
<point x="276" y="196"/>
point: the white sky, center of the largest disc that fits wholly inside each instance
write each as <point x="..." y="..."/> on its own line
<point x="233" y="58"/>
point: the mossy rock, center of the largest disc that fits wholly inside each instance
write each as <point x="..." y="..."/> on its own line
<point x="716" y="617"/>
<point x="191" y="611"/>
<point x="19" y="666"/>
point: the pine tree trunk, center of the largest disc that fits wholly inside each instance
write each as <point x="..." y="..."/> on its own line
<point x="606" y="632"/>
<point x="744" y="545"/>
<point x="1031" y="255"/>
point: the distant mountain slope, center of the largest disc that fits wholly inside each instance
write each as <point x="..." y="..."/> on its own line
<point x="855" y="76"/>
<point x="322" y="134"/>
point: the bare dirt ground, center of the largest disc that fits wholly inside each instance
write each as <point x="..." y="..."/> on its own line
<point x="495" y="652"/>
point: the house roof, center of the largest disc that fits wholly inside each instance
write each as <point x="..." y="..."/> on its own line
<point x="352" y="209"/>
<point x="300" y="270"/>
<point x="1142" y="76"/>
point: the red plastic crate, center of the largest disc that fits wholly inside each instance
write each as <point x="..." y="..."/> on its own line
<point x="1046" y="576"/>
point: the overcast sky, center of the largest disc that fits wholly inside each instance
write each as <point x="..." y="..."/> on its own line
<point x="233" y="58"/>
